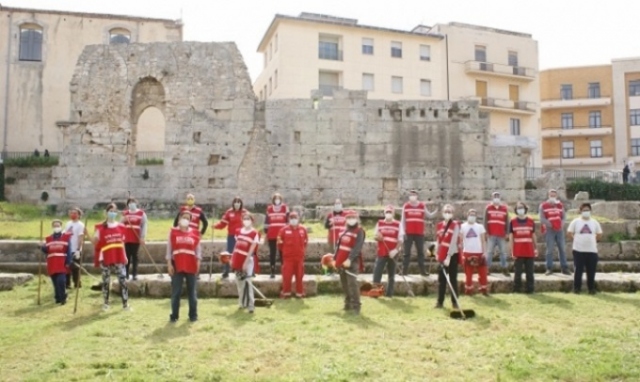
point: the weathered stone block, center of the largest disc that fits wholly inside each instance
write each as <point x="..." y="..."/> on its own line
<point x="10" y="280"/>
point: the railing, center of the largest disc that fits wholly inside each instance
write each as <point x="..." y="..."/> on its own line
<point x="508" y="104"/>
<point x="501" y="69"/>
<point x="145" y="155"/>
<point x="327" y="90"/>
<point x="531" y="173"/>
<point x="26" y="154"/>
<point x="325" y="54"/>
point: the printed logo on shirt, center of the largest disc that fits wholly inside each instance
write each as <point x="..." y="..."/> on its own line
<point x="471" y="234"/>
<point x="586" y="229"/>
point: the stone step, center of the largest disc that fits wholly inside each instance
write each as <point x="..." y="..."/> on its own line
<point x="10" y="280"/>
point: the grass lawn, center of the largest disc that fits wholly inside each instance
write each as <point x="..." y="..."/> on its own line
<point x="541" y="337"/>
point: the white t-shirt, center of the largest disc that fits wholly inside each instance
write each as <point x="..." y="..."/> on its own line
<point x="584" y="234"/>
<point x="472" y="237"/>
<point x="75" y="229"/>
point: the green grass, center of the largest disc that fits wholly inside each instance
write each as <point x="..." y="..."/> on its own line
<point x="514" y="338"/>
<point x="32" y="161"/>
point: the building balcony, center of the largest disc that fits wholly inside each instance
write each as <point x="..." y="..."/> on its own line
<point x="327" y="90"/>
<point x="580" y="161"/>
<point x="519" y="73"/>
<point x="576" y="131"/>
<point x="334" y="55"/>
<point x="575" y="103"/>
<point x="506" y="105"/>
<point x="504" y="140"/>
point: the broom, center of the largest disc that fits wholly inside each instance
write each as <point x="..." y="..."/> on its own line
<point x="262" y="301"/>
<point x="459" y="313"/>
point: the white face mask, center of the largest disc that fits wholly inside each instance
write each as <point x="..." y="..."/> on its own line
<point x="293" y="221"/>
<point x="552" y="199"/>
<point x="388" y="216"/>
<point x="496" y="200"/>
<point x="246" y="223"/>
<point x="57" y="229"/>
<point x="277" y="202"/>
<point x="184" y="223"/>
<point x="236" y="206"/>
<point x="471" y="219"/>
<point x="586" y="214"/>
<point x="520" y="211"/>
<point x="352" y="222"/>
<point x="337" y="207"/>
<point x="132" y="206"/>
<point x="447" y="215"/>
<point x="413" y="198"/>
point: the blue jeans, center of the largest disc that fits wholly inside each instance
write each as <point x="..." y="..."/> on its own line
<point x="381" y="262"/>
<point x="555" y="238"/>
<point x="494" y="242"/>
<point x="59" y="281"/>
<point x="231" y="244"/>
<point x="176" y="292"/>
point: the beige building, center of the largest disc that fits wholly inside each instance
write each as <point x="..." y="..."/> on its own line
<point x="626" y="110"/>
<point x="447" y="61"/>
<point x="38" y="54"/>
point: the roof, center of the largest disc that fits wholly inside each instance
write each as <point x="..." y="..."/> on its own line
<point x="89" y="15"/>
<point x="487" y="29"/>
<point x="420" y="30"/>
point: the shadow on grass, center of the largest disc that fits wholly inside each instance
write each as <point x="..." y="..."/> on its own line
<point x="292" y="306"/>
<point x="358" y="320"/>
<point x="76" y="321"/>
<point x="548" y="299"/>
<point x="615" y="297"/>
<point x="493" y="301"/>
<point x="398" y="304"/>
<point x="170" y="331"/>
<point x="35" y="308"/>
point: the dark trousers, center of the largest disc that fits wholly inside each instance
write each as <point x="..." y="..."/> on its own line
<point x="176" y="291"/>
<point x="75" y="275"/>
<point x="527" y="263"/>
<point x="351" y="288"/>
<point x="231" y="244"/>
<point x="452" y="270"/>
<point x="585" y="261"/>
<point x="390" y="263"/>
<point x="59" y="281"/>
<point x="408" y="243"/>
<point x="132" y="256"/>
<point x="273" y="252"/>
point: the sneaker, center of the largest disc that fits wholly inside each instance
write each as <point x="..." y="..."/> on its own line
<point x="566" y="272"/>
<point x="549" y="272"/>
<point x="225" y="275"/>
<point x="424" y="274"/>
<point x="65" y="301"/>
<point x="135" y="278"/>
<point x="251" y="311"/>
<point x="172" y="320"/>
<point x="193" y="319"/>
<point x="105" y="307"/>
<point x="439" y="305"/>
<point x="300" y="295"/>
<point x="506" y="272"/>
<point x="272" y="276"/>
<point x="127" y="308"/>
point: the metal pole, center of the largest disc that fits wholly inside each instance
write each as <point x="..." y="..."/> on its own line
<point x="6" y="89"/>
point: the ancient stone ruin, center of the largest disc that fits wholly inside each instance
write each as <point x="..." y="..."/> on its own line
<point x="220" y="142"/>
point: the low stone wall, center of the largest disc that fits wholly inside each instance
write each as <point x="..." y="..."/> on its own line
<point x="10" y="280"/>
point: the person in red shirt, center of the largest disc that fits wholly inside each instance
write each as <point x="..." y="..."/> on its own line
<point x="292" y="242"/>
<point x="387" y="234"/>
<point x="412" y="230"/>
<point x="183" y="257"/>
<point x="348" y="258"/>
<point x="449" y="248"/>
<point x="496" y="221"/>
<point x="135" y="221"/>
<point x="552" y="218"/>
<point x="335" y="223"/>
<point x="247" y="240"/>
<point x="277" y="216"/>
<point x="199" y="220"/>
<point x="57" y="247"/>
<point x="232" y="220"/>
<point x="523" y="247"/>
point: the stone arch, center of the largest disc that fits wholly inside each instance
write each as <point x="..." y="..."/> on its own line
<point x="147" y="94"/>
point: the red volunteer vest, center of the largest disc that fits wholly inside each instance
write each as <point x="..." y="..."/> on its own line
<point x="414" y="218"/>
<point x="277" y="220"/>
<point x="132" y="221"/>
<point x="553" y="213"/>
<point x="195" y="216"/>
<point x="446" y="239"/>
<point x="231" y="219"/>
<point x="292" y="242"/>
<point x="345" y="244"/>
<point x="523" y="238"/>
<point x="112" y="245"/>
<point x="57" y="253"/>
<point x="339" y="224"/>
<point x="497" y="220"/>
<point x="183" y="250"/>
<point x="390" y="232"/>
<point x="241" y="250"/>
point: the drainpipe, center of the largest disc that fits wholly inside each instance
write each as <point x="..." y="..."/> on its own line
<point x="6" y="90"/>
<point x="446" y="45"/>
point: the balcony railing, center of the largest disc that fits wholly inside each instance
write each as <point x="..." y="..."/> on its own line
<point x="331" y="54"/>
<point x="575" y="102"/>
<point x="531" y="173"/>
<point x="576" y="131"/>
<point x="327" y="90"/>
<point x="508" y="105"/>
<point x="493" y="69"/>
<point x="25" y="154"/>
<point x="146" y="155"/>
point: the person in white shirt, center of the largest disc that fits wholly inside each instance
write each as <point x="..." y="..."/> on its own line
<point x="472" y="235"/>
<point x="76" y="229"/>
<point x="585" y="233"/>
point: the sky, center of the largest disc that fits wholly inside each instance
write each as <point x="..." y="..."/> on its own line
<point x="569" y="32"/>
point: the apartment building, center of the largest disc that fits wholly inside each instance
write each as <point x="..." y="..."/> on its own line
<point x="447" y="61"/>
<point x="626" y="110"/>
<point x="38" y="54"/>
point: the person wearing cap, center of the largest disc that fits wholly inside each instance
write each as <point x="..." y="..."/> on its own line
<point x="57" y="248"/>
<point x="349" y="250"/>
<point x="292" y="243"/>
<point x="276" y="218"/>
<point x="412" y="230"/>
<point x="335" y="223"/>
<point x="472" y="235"/>
<point x="523" y="247"/>
<point x="135" y="221"/>
<point x="552" y="222"/>
<point x="246" y="242"/>
<point x="183" y="256"/>
<point x="585" y="232"/>
<point x="199" y="221"/>
<point x="387" y="234"/>
<point x="496" y="220"/>
<point x="232" y="220"/>
<point x="76" y="229"/>
<point x="448" y="249"/>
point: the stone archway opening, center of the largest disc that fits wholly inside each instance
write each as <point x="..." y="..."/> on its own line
<point x="148" y="121"/>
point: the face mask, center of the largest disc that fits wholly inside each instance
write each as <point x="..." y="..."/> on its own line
<point x="184" y="223"/>
<point x="496" y="200"/>
<point x="413" y="198"/>
<point x="73" y="216"/>
<point x="111" y="215"/>
<point x="246" y="223"/>
<point x="236" y="206"/>
<point x="337" y="207"/>
<point x="352" y="222"/>
<point x="388" y="216"/>
<point x="190" y="201"/>
<point x="132" y="206"/>
<point x="520" y="211"/>
<point x="472" y="219"/>
<point x="552" y="199"/>
<point x="293" y="221"/>
<point x="447" y="215"/>
<point x="57" y="229"/>
<point x="586" y="214"/>
<point x="277" y="202"/>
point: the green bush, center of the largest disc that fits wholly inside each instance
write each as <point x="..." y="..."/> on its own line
<point x="598" y="189"/>
<point x="150" y="162"/>
<point x="529" y="185"/>
<point x="32" y="161"/>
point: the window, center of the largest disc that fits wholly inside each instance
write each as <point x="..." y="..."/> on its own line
<point x="328" y="82"/>
<point x="275" y="79"/>
<point x="512" y="58"/>
<point x="275" y="43"/>
<point x="566" y="91"/>
<point x="367" y="46"/>
<point x="567" y="121"/>
<point x="634" y="117"/>
<point x="270" y="85"/>
<point x="595" y="119"/>
<point x="425" y="52"/>
<point x="30" y="43"/>
<point x="261" y="95"/>
<point x="635" y="147"/>
<point x="119" y="36"/>
<point x="425" y="88"/>
<point x="265" y="60"/>
<point x="396" y="49"/>
<point x="634" y="88"/>
<point x="594" y="90"/>
<point x="567" y="149"/>
<point x="270" y="51"/>
<point x="396" y="85"/>
<point x="481" y="53"/>
<point x="514" y="126"/>
<point x="265" y="91"/>
<point x="328" y="48"/>
<point x="367" y="81"/>
<point x="596" y="148"/>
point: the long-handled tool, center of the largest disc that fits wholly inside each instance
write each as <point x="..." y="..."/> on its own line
<point x="211" y="258"/>
<point x="460" y="313"/>
<point x="75" y="304"/>
<point x="404" y="278"/>
<point x="263" y="301"/>
<point x="40" y="265"/>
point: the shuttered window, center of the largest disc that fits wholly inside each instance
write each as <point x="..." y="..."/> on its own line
<point x="30" y="43"/>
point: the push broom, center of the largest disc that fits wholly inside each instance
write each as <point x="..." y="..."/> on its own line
<point x="459" y="314"/>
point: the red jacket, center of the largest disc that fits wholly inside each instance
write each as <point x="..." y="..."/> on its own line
<point x="446" y="239"/>
<point x="276" y="220"/>
<point x="554" y="214"/>
<point x="345" y="244"/>
<point x="231" y="219"/>
<point x="338" y="225"/>
<point x="244" y="241"/>
<point x="292" y="242"/>
<point x="57" y="250"/>
<point x="390" y="233"/>
<point x="496" y="220"/>
<point x="183" y="250"/>
<point x="413" y="218"/>
<point x="195" y="216"/>
<point x="524" y="242"/>
<point x="132" y="222"/>
<point x="111" y="245"/>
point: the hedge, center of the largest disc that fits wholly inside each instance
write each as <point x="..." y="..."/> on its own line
<point x="31" y="161"/>
<point x="598" y="189"/>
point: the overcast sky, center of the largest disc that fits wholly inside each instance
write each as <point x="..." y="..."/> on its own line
<point x="569" y="32"/>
